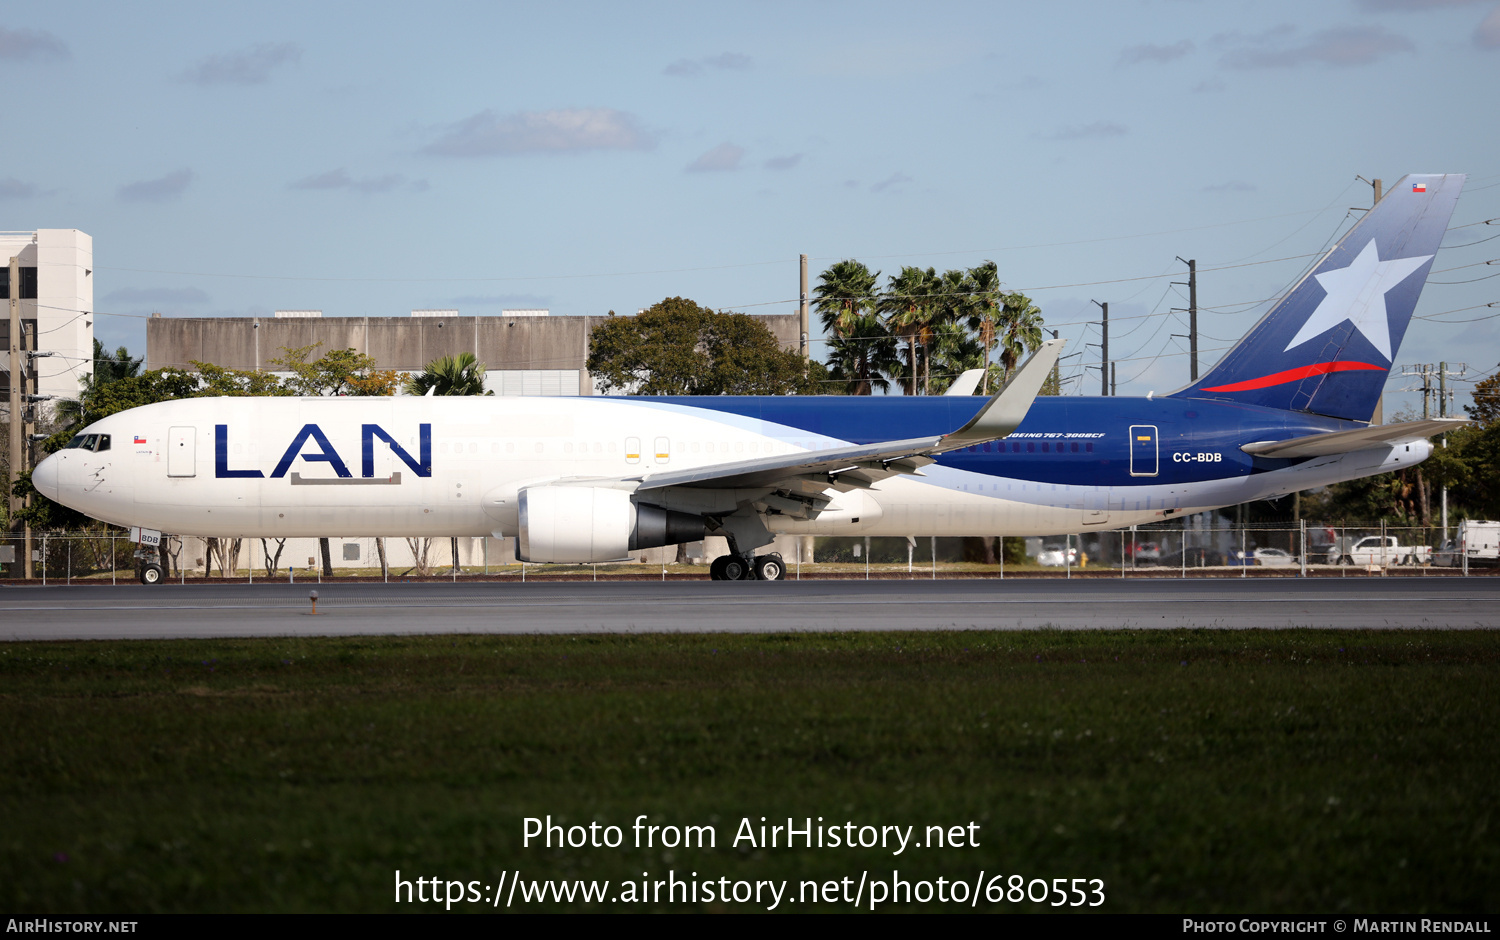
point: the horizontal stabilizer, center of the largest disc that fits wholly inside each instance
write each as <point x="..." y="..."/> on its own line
<point x="1344" y="442"/>
<point x="966" y="382"/>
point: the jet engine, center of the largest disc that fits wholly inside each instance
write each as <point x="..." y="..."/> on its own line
<point x="581" y="524"/>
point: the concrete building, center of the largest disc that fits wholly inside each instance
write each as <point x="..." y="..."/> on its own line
<point x="57" y="303"/>
<point x="526" y="352"/>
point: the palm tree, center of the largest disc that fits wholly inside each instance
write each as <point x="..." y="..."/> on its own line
<point x="1019" y="328"/>
<point x="863" y="355"/>
<point x="107" y="369"/>
<point x="907" y="308"/>
<point x="860" y="347"/>
<point x="983" y="311"/>
<point x="450" y="375"/>
<point x="953" y="350"/>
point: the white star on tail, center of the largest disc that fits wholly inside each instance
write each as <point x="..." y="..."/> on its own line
<point x="1357" y="294"/>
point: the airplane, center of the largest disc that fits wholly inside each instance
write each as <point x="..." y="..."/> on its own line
<point x="589" y="479"/>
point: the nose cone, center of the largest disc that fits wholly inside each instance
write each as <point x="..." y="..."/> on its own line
<point x="47" y="477"/>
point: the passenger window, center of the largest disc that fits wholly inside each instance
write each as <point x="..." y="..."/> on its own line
<point x="1074" y="447"/>
<point x="1089" y="447"/>
<point x="1030" y="447"/>
<point x="1046" y="447"/>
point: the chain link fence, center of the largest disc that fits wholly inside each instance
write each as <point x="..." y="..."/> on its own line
<point x="1199" y="546"/>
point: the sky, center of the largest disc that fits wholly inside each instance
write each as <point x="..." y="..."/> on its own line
<point x="374" y="158"/>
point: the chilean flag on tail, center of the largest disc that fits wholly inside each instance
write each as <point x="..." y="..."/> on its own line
<point x="1327" y="345"/>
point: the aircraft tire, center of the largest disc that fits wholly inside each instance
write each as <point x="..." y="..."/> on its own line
<point x="735" y="569"/>
<point x="150" y="574"/>
<point x="716" y="568"/>
<point x="770" y="568"/>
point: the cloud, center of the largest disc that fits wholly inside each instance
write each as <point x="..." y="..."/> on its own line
<point x="1340" y="46"/>
<point x="340" y="179"/>
<point x="1153" y="53"/>
<point x="12" y="188"/>
<point x="890" y="182"/>
<point x="570" y="130"/>
<point x="158" y="190"/>
<point x="1233" y="186"/>
<point x="251" y="67"/>
<point x="156" y="295"/>
<point x="784" y="163"/>
<point x="726" y="156"/>
<point x="688" y="68"/>
<point x="26" y="44"/>
<point x="1095" y="130"/>
<point x="1487" y="35"/>
<point x="1209" y="86"/>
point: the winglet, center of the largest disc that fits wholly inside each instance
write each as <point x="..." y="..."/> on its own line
<point x="1005" y="412"/>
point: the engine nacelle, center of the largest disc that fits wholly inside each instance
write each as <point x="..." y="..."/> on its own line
<point x="582" y="524"/>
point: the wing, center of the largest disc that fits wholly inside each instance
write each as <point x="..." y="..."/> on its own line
<point x="860" y="466"/>
<point x="1343" y="442"/>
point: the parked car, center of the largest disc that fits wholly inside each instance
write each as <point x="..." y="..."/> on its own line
<point x="1481" y="540"/>
<point x="1271" y="557"/>
<point x="1449" y="555"/>
<point x="1148" y="552"/>
<point x="1377" y="550"/>
<point x="1051" y="556"/>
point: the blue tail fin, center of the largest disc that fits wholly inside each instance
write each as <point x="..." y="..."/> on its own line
<point x="1328" y="343"/>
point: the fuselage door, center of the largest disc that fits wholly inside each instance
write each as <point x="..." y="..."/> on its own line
<point x="1143" y="450"/>
<point x="182" y="452"/>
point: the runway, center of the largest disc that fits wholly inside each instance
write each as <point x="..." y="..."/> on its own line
<point x="360" y="609"/>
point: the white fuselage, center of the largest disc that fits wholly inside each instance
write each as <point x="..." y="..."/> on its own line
<point x="251" y="467"/>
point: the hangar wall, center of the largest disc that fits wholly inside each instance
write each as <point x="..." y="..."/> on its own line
<point x="406" y="344"/>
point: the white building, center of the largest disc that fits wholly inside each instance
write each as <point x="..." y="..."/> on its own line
<point x="57" y="304"/>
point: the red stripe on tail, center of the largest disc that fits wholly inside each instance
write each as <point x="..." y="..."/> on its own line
<point x="1293" y="375"/>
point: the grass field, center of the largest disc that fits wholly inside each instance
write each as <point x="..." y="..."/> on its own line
<point x="1194" y="773"/>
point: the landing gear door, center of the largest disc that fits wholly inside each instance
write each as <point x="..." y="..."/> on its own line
<point x="182" y="452"/>
<point x="1144" y="453"/>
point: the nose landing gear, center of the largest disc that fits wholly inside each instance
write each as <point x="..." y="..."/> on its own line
<point x="148" y="566"/>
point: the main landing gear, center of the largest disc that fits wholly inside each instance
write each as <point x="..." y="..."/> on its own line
<point x="731" y="567"/>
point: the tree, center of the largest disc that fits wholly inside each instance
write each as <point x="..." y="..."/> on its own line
<point x="677" y="347"/>
<point x="220" y="381"/>
<point x="337" y="372"/>
<point x="983" y="312"/>
<point x="1019" y="329"/>
<point x="450" y="375"/>
<point x="860" y="348"/>
<point x="907" y="308"/>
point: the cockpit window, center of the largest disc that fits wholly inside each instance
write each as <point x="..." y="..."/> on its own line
<point x="94" y="442"/>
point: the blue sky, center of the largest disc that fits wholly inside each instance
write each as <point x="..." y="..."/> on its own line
<point x="367" y="158"/>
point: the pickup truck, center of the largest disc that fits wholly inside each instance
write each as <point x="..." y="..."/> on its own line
<point x="1377" y="550"/>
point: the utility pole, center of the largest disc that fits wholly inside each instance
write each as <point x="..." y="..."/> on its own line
<point x="802" y="309"/>
<point x="1375" y="185"/>
<point x="1056" y="375"/>
<point x="1104" y="350"/>
<point x="1192" y="286"/>
<point x="1112" y="380"/>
